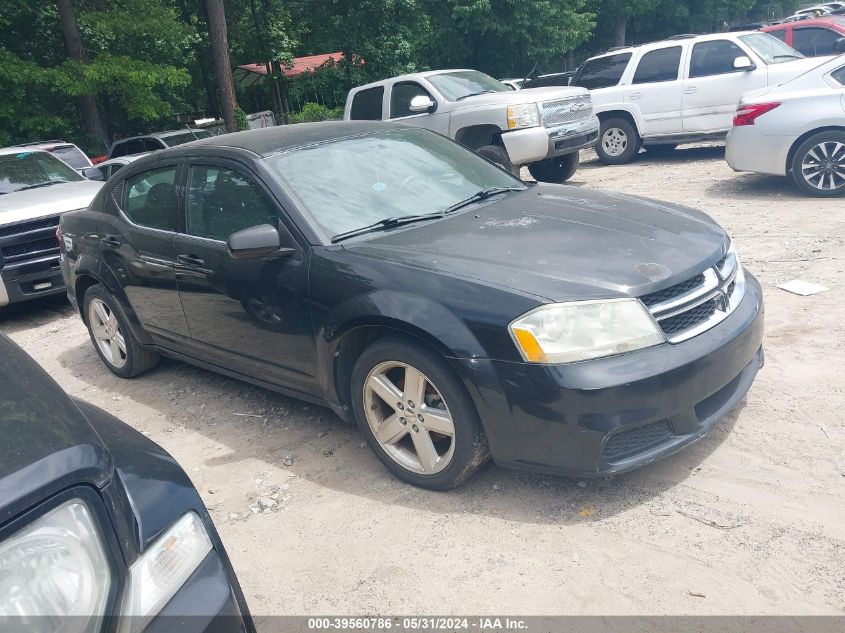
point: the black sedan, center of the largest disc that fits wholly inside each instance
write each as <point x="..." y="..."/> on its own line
<point x="100" y="530"/>
<point x="453" y="311"/>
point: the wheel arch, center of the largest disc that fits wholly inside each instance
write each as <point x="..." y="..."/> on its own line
<point x="790" y="155"/>
<point x="475" y="137"/>
<point x="621" y="113"/>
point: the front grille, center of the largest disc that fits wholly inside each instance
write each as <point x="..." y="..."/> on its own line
<point x="563" y="111"/>
<point x="633" y="441"/>
<point x="673" y="291"/>
<point x="26" y="240"/>
<point x="24" y="227"/>
<point x="35" y="246"/>
<point x="690" y="318"/>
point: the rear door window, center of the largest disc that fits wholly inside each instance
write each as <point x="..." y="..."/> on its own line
<point x="151" y="198"/>
<point x="659" y="65"/>
<point x="118" y="149"/>
<point x="602" y="72"/>
<point x="813" y="41"/>
<point x="367" y="104"/>
<point x="714" y="58"/>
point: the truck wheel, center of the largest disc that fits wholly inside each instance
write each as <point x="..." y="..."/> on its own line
<point x="818" y="166"/>
<point x="499" y="155"/>
<point x="557" y="170"/>
<point x="618" y="142"/>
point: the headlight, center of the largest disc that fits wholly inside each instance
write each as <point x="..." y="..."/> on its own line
<point x="523" y="115"/>
<point x="579" y="330"/>
<point x="55" y="568"/>
<point x="162" y="570"/>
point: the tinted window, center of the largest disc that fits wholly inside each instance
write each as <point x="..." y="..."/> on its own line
<point x="30" y="170"/>
<point x="366" y="104"/>
<point x="813" y="42"/>
<point x="183" y="137"/>
<point x="135" y="146"/>
<point x="659" y="65"/>
<point x="152" y="144"/>
<point x="714" y="58"/>
<point x="151" y="198"/>
<point x="552" y="80"/>
<point x="118" y="149"/>
<point x="839" y="75"/>
<point x="780" y="34"/>
<point x="602" y="72"/>
<point x="400" y="98"/>
<point x="222" y="202"/>
<point x="72" y="155"/>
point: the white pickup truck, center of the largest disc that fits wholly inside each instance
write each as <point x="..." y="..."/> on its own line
<point x="542" y="128"/>
<point x="35" y="189"/>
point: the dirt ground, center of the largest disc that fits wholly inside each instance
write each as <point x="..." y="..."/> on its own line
<point x="750" y="520"/>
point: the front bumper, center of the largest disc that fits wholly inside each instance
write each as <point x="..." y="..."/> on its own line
<point x="31" y="279"/>
<point x="748" y="149"/>
<point x="615" y="414"/>
<point x="538" y="143"/>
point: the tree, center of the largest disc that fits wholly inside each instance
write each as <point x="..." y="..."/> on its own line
<point x="220" y="50"/>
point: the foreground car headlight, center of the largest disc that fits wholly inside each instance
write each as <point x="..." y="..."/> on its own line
<point x="162" y="570"/>
<point x="55" y="567"/>
<point x="523" y="115"/>
<point x="579" y="330"/>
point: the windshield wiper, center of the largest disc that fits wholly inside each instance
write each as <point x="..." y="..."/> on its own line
<point x="46" y="183"/>
<point x="473" y="94"/>
<point x="386" y="223"/>
<point x="480" y="195"/>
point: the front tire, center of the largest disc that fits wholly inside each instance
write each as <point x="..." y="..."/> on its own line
<point x="499" y="155"/>
<point x="618" y="143"/>
<point x="557" y="170"/>
<point x="113" y="340"/>
<point x="818" y="166"/>
<point x="416" y="415"/>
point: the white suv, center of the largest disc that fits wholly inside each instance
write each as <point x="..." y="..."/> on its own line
<point x="681" y="90"/>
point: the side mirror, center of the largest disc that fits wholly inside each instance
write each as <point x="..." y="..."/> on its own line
<point x="743" y="62"/>
<point x="839" y="45"/>
<point x="255" y="242"/>
<point x="421" y="103"/>
<point x="93" y="173"/>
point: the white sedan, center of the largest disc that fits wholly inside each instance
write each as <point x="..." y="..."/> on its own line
<point x="797" y="129"/>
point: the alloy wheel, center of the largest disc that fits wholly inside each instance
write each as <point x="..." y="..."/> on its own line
<point x="823" y="166"/>
<point x="409" y="417"/>
<point x="614" y="141"/>
<point x="107" y="334"/>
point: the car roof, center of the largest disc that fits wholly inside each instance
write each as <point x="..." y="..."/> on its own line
<point x="414" y="77"/>
<point x="673" y="40"/>
<point x="272" y="140"/>
<point x="164" y="134"/>
<point x="826" y="20"/>
<point x="18" y="149"/>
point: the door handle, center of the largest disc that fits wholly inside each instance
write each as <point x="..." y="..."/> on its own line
<point x="635" y="95"/>
<point x="190" y="260"/>
<point x="110" y="240"/>
<point x="691" y="90"/>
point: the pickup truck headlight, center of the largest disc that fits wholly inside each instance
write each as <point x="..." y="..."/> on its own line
<point x="56" y="568"/>
<point x="523" y="115"/>
<point x="162" y="570"/>
<point x="580" y="330"/>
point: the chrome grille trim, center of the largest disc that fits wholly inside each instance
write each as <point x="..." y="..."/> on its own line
<point x="562" y="111"/>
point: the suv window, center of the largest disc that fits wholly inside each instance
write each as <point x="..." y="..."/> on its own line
<point x="602" y="72"/>
<point x="401" y="95"/>
<point x="151" y="198"/>
<point x="780" y="34"/>
<point x="814" y="41"/>
<point x="222" y="202"/>
<point x="714" y="58"/>
<point x="367" y="104"/>
<point x="152" y="144"/>
<point x="118" y="149"/>
<point x="659" y="65"/>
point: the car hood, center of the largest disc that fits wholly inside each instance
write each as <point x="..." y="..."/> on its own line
<point x="526" y="95"/>
<point x="48" y="444"/>
<point x="37" y="203"/>
<point x="561" y="243"/>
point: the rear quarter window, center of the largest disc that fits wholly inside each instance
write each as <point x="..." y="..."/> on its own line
<point x="839" y="76"/>
<point x="367" y="104"/>
<point x="602" y="72"/>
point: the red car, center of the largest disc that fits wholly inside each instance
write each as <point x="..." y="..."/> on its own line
<point x="813" y="38"/>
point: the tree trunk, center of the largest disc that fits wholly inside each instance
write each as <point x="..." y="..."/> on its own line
<point x="73" y="43"/>
<point x="220" y="52"/>
<point x="621" y="26"/>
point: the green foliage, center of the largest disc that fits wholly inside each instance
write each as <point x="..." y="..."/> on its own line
<point x="243" y="122"/>
<point x="312" y="112"/>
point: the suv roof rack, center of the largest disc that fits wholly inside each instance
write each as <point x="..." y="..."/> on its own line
<point x="683" y="36"/>
<point x="52" y="140"/>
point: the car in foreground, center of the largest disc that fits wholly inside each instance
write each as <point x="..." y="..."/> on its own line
<point x="68" y="152"/>
<point x="100" y="529"/>
<point x="543" y="129"/>
<point x="104" y="170"/>
<point x="451" y="310"/>
<point x="35" y="189"/>
<point x="155" y="141"/>
<point x="682" y="90"/>
<point x="795" y="129"/>
<point x="812" y="38"/>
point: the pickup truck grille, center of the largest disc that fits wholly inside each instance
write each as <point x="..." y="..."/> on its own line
<point x="27" y="240"/>
<point x="698" y="303"/>
<point x="562" y="111"/>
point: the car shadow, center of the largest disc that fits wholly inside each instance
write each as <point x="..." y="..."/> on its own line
<point x="254" y="423"/>
<point x="28" y="314"/>
<point x="746" y="186"/>
<point x="683" y="154"/>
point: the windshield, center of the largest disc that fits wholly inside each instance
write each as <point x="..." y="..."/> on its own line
<point x="464" y="83"/>
<point x="29" y="169"/>
<point x="351" y="183"/>
<point x="185" y="137"/>
<point x="770" y="49"/>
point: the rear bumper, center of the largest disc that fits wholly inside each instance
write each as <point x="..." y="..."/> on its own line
<point x="748" y="149"/>
<point x="615" y="414"/>
<point x="23" y="281"/>
<point x="538" y="143"/>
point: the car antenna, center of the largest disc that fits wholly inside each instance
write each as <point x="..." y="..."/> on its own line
<point x="530" y="73"/>
<point x="196" y="138"/>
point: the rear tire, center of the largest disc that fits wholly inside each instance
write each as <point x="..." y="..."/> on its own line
<point x="818" y="166"/>
<point x="557" y="170"/>
<point x="429" y="433"/>
<point x="114" y="342"/>
<point x="499" y="155"/>
<point x="618" y="143"/>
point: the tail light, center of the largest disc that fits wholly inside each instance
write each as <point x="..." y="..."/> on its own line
<point x="748" y="114"/>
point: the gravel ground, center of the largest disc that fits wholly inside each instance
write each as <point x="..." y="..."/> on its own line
<point x="750" y="520"/>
